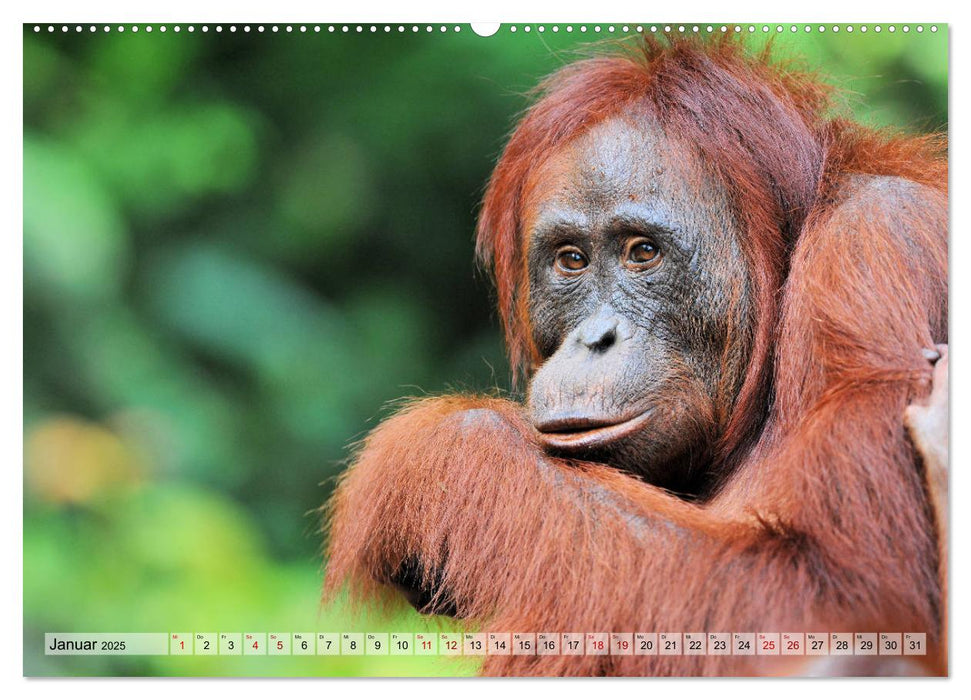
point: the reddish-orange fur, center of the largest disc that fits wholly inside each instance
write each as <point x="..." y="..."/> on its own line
<point x="822" y="520"/>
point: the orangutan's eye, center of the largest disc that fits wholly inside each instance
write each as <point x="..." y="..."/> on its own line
<point x="642" y="254"/>
<point x="570" y="261"/>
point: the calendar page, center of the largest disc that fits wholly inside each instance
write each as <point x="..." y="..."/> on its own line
<point x="547" y="349"/>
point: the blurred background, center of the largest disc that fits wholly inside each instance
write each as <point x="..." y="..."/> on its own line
<point x="237" y="249"/>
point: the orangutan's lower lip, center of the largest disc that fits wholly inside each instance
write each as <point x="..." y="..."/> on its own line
<point x="582" y="439"/>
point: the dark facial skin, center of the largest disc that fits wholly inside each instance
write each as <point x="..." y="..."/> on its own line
<point x="639" y="297"/>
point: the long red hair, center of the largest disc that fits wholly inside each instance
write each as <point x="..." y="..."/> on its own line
<point x="771" y="142"/>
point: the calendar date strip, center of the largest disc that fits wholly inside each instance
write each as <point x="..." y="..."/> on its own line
<point x="487" y="644"/>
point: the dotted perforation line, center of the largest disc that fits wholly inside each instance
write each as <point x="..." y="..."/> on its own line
<point x="428" y="28"/>
<point x="259" y="28"/>
<point x="711" y="29"/>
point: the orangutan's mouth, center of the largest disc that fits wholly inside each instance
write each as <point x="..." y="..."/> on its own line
<point x="576" y="434"/>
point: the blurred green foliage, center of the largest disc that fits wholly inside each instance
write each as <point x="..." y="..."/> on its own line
<point x="238" y="248"/>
